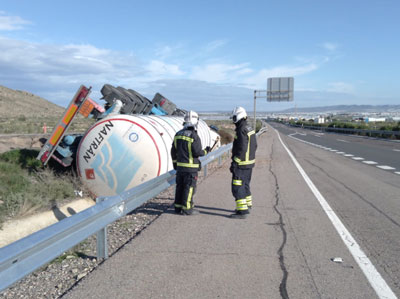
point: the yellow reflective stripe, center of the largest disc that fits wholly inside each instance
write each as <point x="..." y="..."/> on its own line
<point x="205" y="152"/>
<point x="189" y="199"/>
<point x="187" y="165"/>
<point x="184" y="138"/>
<point x="241" y="204"/>
<point x="190" y="152"/>
<point x="178" y="205"/>
<point x="237" y="182"/>
<point x="248" y="145"/>
<point x="173" y="161"/>
<point x="240" y="162"/>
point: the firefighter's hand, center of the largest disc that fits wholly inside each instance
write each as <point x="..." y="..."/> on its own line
<point x="208" y="149"/>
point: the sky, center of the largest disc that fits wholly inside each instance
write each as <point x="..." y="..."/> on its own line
<point x="204" y="55"/>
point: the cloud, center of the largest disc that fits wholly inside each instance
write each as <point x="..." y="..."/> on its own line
<point x="341" y="87"/>
<point x="220" y="73"/>
<point x="259" y="80"/>
<point x="214" y="45"/>
<point x="158" y="69"/>
<point x="329" y="46"/>
<point x="11" y="23"/>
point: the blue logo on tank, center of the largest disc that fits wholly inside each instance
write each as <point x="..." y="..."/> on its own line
<point x="115" y="164"/>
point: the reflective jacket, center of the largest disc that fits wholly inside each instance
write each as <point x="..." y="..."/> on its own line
<point x="186" y="150"/>
<point x="244" y="146"/>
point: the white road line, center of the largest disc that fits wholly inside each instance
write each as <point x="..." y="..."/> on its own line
<point x="333" y="150"/>
<point x="385" y="167"/>
<point x="340" y="153"/>
<point x="358" y="158"/>
<point x="397" y="172"/>
<point x="370" y="162"/>
<point x="349" y="155"/>
<point x="375" y="279"/>
<point x="396" y="150"/>
<point x="341" y="140"/>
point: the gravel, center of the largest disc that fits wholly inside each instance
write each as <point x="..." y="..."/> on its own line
<point x="56" y="278"/>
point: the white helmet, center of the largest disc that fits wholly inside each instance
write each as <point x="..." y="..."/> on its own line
<point x="238" y="113"/>
<point x="191" y="119"/>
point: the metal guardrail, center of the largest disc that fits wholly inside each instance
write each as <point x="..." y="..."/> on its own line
<point x="350" y="131"/>
<point x="28" y="254"/>
<point x="24" y="256"/>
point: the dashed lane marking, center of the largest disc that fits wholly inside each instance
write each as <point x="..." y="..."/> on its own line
<point x="397" y="172"/>
<point x="385" y="167"/>
<point x="349" y="155"/>
<point x="358" y="158"/>
<point x="370" y="162"/>
<point x="375" y="279"/>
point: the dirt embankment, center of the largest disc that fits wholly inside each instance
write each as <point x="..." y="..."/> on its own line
<point x="10" y="142"/>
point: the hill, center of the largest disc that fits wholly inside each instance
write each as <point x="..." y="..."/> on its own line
<point x="17" y="103"/>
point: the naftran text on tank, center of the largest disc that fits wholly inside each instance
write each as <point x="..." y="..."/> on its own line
<point x="129" y="143"/>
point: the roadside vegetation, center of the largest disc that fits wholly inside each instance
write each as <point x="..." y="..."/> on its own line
<point x="375" y="129"/>
<point x="27" y="187"/>
<point x="34" y="125"/>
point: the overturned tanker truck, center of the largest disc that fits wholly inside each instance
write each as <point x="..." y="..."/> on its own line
<point x="129" y="143"/>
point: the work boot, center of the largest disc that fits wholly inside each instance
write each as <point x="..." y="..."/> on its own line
<point x="178" y="210"/>
<point x="190" y="212"/>
<point x="240" y="214"/>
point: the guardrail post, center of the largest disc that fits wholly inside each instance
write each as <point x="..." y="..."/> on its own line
<point x="102" y="248"/>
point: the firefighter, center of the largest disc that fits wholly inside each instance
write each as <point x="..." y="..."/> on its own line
<point x="185" y="152"/>
<point x="243" y="161"/>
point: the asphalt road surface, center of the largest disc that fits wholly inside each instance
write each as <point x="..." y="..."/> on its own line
<point x="323" y="225"/>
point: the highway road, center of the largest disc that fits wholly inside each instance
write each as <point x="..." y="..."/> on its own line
<point x="323" y="225"/>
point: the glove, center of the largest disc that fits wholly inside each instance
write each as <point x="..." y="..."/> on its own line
<point x="208" y="149"/>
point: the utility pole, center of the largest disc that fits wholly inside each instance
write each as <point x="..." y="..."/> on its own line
<point x="255" y="98"/>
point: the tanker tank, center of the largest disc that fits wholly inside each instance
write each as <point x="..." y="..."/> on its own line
<point x="122" y="151"/>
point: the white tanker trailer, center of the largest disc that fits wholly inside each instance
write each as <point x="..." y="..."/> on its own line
<point x="123" y="151"/>
<point x="119" y="151"/>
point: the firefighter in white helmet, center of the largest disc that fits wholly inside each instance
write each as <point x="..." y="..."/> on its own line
<point x="185" y="152"/>
<point x="243" y="160"/>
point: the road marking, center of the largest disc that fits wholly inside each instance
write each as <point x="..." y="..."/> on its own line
<point x="358" y="158"/>
<point x="375" y="279"/>
<point x="349" y="155"/>
<point x="385" y="167"/>
<point x="370" y="162"/>
<point x="340" y="153"/>
<point x="397" y="172"/>
<point x="396" y="150"/>
<point x="341" y="140"/>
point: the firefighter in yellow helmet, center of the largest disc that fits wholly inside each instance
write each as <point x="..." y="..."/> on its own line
<point x="243" y="160"/>
<point x="185" y="152"/>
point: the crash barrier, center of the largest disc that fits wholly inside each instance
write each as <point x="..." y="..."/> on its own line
<point x="28" y="254"/>
<point x="372" y="133"/>
<point x="24" y="256"/>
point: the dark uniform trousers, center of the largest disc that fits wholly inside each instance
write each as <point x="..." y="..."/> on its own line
<point x="241" y="178"/>
<point x="185" y="188"/>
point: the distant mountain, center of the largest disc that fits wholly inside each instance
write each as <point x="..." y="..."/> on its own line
<point x="15" y="103"/>
<point x="346" y="109"/>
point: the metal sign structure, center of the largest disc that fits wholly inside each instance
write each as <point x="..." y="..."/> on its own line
<point x="280" y="89"/>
